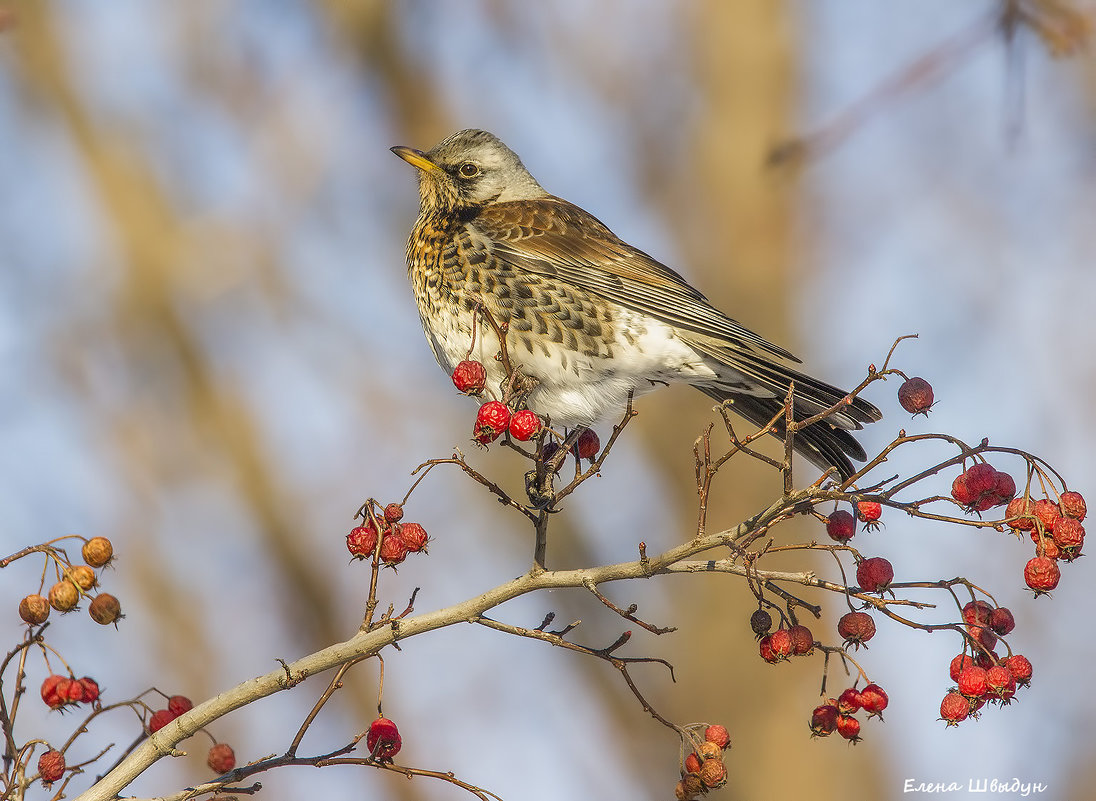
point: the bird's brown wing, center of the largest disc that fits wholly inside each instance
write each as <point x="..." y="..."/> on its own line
<point x="549" y="236"/>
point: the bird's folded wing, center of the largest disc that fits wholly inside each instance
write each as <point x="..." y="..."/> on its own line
<point x="552" y="237"/>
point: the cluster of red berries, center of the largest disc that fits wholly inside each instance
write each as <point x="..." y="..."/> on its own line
<point x="841" y="524"/>
<point x="383" y="740"/>
<point x="494" y="418"/>
<point x="1056" y="530"/>
<point x="396" y="539"/>
<point x="62" y="691"/>
<point x="703" y="769"/>
<point x="76" y="582"/>
<point x="984" y="676"/>
<point x="839" y="714"/>
<point x="176" y="706"/>
<point x="981" y="487"/>
<point x="783" y="643"/>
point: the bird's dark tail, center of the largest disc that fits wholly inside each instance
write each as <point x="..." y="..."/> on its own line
<point x="823" y="444"/>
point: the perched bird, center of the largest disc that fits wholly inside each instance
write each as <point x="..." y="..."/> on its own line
<point x="588" y="316"/>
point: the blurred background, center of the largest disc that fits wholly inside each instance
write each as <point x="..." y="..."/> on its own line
<point x="209" y="353"/>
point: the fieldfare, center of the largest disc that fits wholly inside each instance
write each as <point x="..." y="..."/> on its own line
<point x="589" y="317"/>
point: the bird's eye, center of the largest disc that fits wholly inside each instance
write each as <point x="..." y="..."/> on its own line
<point x="468" y="170"/>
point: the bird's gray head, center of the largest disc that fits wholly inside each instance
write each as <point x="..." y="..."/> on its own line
<point x="470" y="168"/>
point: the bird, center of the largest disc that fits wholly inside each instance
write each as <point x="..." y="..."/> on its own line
<point x="591" y="319"/>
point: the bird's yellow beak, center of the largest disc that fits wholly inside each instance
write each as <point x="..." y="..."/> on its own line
<point x="415" y="158"/>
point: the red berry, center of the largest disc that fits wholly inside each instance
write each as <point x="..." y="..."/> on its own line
<point x="958" y="664"/>
<point x="1002" y="621"/>
<point x="869" y="511"/>
<point x="470" y="377"/>
<point x="159" y="719"/>
<point x="873" y="699"/>
<point x="55" y="691"/>
<point x="1069" y="536"/>
<point x="874" y="574"/>
<point x="1020" y="668"/>
<point x="848" y="727"/>
<point x="954" y="709"/>
<point x="393" y="513"/>
<point x="393" y="551"/>
<point x="362" y="540"/>
<point x="1042" y="574"/>
<point x="961" y="491"/>
<point x="781" y="643"/>
<point x="383" y="739"/>
<point x="856" y="627"/>
<point x="1020" y="513"/>
<point x="414" y="537"/>
<point x="915" y="395"/>
<point x="765" y="647"/>
<point x="984" y="636"/>
<point x="848" y="703"/>
<point x="179" y="704"/>
<point x="221" y="758"/>
<point x="524" y="425"/>
<point x="588" y="444"/>
<point x="1000" y="683"/>
<point x="824" y="720"/>
<point x="977" y="613"/>
<point x="761" y="621"/>
<point x="1004" y="488"/>
<point x="1073" y="505"/>
<point x="89" y="690"/>
<point x="492" y="419"/>
<point x="51" y="766"/>
<point x="802" y="640"/>
<point x="1047" y="513"/>
<point x="717" y="734"/>
<point x="692" y="763"/>
<point x="981" y="478"/>
<point x="713" y="773"/>
<point x="841" y="526"/>
<point x="972" y="682"/>
<point x="1045" y="546"/>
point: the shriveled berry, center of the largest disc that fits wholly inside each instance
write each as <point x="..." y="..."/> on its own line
<point x="34" y="609"/>
<point x="105" y="609"/>
<point x="159" y="719"/>
<point x="89" y="690"/>
<point x="393" y="551"/>
<point x="958" y="664"/>
<point x="1000" y="683"/>
<point x="874" y="574"/>
<point x="848" y="703"/>
<point x="824" y="720"/>
<point x="874" y="699"/>
<point x="1002" y="621"/>
<point x="393" y="513"/>
<point x="972" y="682"/>
<point x="73" y="690"/>
<point x="689" y="787"/>
<point x="383" y="739"/>
<point x="717" y="734"/>
<point x="1020" y="513"/>
<point x="692" y="763"/>
<point x="962" y="493"/>
<point x="841" y="525"/>
<point x="221" y="758"/>
<point x="954" y="709"/>
<point x="707" y="750"/>
<point x="1069" y="536"/>
<point x="362" y="540"/>
<point x="869" y="513"/>
<point x="63" y="596"/>
<point x="1046" y="546"/>
<point x="713" y="773"/>
<point x="984" y="636"/>
<point x="588" y="444"/>
<point x="1047" y="513"/>
<point x="1042" y="574"/>
<point x="977" y="613"/>
<point x="781" y="643"/>
<point x="765" y="647"/>
<point x="55" y="691"/>
<point x="179" y="704"/>
<point x="848" y="727"/>
<point x="1020" y="668"/>
<point x="413" y="536"/>
<point x="51" y="766"/>
<point x="1004" y="488"/>
<point x="802" y="640"/>
<point x="492" y="419"/>
<point x="1073" y="505"/>
<point x="82" y="576"/>
<point x="97" y="551"/>
<point x="915" y="395"/>
<point x="470" y="377"/>
<point x="856" y="628"/>
<point x="524" y="425"/>
<point x="761" y="621"/>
